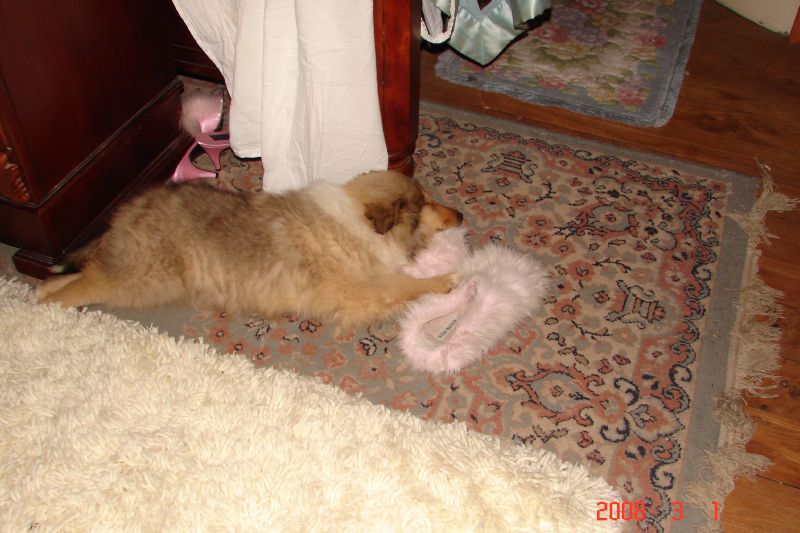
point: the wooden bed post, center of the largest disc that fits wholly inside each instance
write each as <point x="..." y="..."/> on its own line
<point x="794" y="34"/>
<point x="397" y="48"/>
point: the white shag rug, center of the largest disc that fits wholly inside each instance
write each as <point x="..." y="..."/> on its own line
<point x="105" y="424"/>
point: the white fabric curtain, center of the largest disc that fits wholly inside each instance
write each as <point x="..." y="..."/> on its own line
<point x="302" y="80"/>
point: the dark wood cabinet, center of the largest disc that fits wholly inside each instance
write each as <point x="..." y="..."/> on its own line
<point x="89" y="107"/>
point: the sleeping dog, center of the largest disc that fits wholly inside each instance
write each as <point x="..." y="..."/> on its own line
<point x="334" y="252"/>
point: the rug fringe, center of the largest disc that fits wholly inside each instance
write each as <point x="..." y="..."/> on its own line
<point x="755" y="336"/>
<point x="756" y="351"/>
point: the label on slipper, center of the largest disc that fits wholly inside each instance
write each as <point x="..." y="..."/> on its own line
<point x="440" y="329"/>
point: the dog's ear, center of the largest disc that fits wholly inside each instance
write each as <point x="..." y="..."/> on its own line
<point x="384" y="216"/>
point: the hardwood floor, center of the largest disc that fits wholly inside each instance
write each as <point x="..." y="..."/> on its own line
<point x="740" y="101"/>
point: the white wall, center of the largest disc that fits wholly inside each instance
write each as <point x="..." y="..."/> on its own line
<point x="775" y="15"/>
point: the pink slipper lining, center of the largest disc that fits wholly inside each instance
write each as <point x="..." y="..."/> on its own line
<point x="499" y="287"/>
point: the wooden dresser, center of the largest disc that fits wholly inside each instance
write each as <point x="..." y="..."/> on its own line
<point x="89" y="107"/>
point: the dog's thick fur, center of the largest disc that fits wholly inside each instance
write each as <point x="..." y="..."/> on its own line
<point x="333" y="252"/>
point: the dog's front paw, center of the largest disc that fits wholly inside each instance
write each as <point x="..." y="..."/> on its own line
<point x="446" y="282"/>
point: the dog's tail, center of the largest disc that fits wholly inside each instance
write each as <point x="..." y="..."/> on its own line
<point x="201" y="113"/>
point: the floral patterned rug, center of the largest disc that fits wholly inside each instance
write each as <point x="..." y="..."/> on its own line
<point x="639" y="335"/>
<point x="617" y="59"/>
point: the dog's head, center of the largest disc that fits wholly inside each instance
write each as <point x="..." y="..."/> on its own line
<point x="397" y="207"/>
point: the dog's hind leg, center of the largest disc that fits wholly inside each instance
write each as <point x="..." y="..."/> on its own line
<point x="53" y="284"/>
<point x="92" y="286"/>
<point x="71" y="290"/>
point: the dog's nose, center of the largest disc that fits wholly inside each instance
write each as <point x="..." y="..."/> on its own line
<point x="459" y="218"/>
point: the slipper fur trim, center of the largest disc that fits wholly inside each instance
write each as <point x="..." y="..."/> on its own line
<point x="499" y="288"/>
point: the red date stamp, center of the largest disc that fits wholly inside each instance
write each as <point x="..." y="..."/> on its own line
<point x="635" y="511"/>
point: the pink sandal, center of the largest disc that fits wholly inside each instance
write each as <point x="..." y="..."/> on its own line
<point x="201" y="116"/>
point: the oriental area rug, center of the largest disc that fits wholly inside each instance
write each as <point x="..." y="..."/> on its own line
<point x="614" y="59"/>
<point x="635" y="365"/>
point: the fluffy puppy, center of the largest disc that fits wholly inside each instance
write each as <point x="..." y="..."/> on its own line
<point x="334" y="252"/>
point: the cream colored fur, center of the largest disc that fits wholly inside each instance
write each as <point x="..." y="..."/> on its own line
<point x="328" y="251"/>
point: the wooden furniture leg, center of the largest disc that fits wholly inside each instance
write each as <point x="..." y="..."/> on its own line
<point x="397" y="48"/>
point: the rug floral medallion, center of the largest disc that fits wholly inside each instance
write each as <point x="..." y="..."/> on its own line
<point x="623" y="355"/>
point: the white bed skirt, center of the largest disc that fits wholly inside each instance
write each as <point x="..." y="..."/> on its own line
<point x="303" y="84"/>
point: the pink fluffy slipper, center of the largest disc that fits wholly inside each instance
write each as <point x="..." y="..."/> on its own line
<point x="499" y="287"/>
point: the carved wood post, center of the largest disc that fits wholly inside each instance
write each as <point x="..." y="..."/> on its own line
<point x="397" y="47"/>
